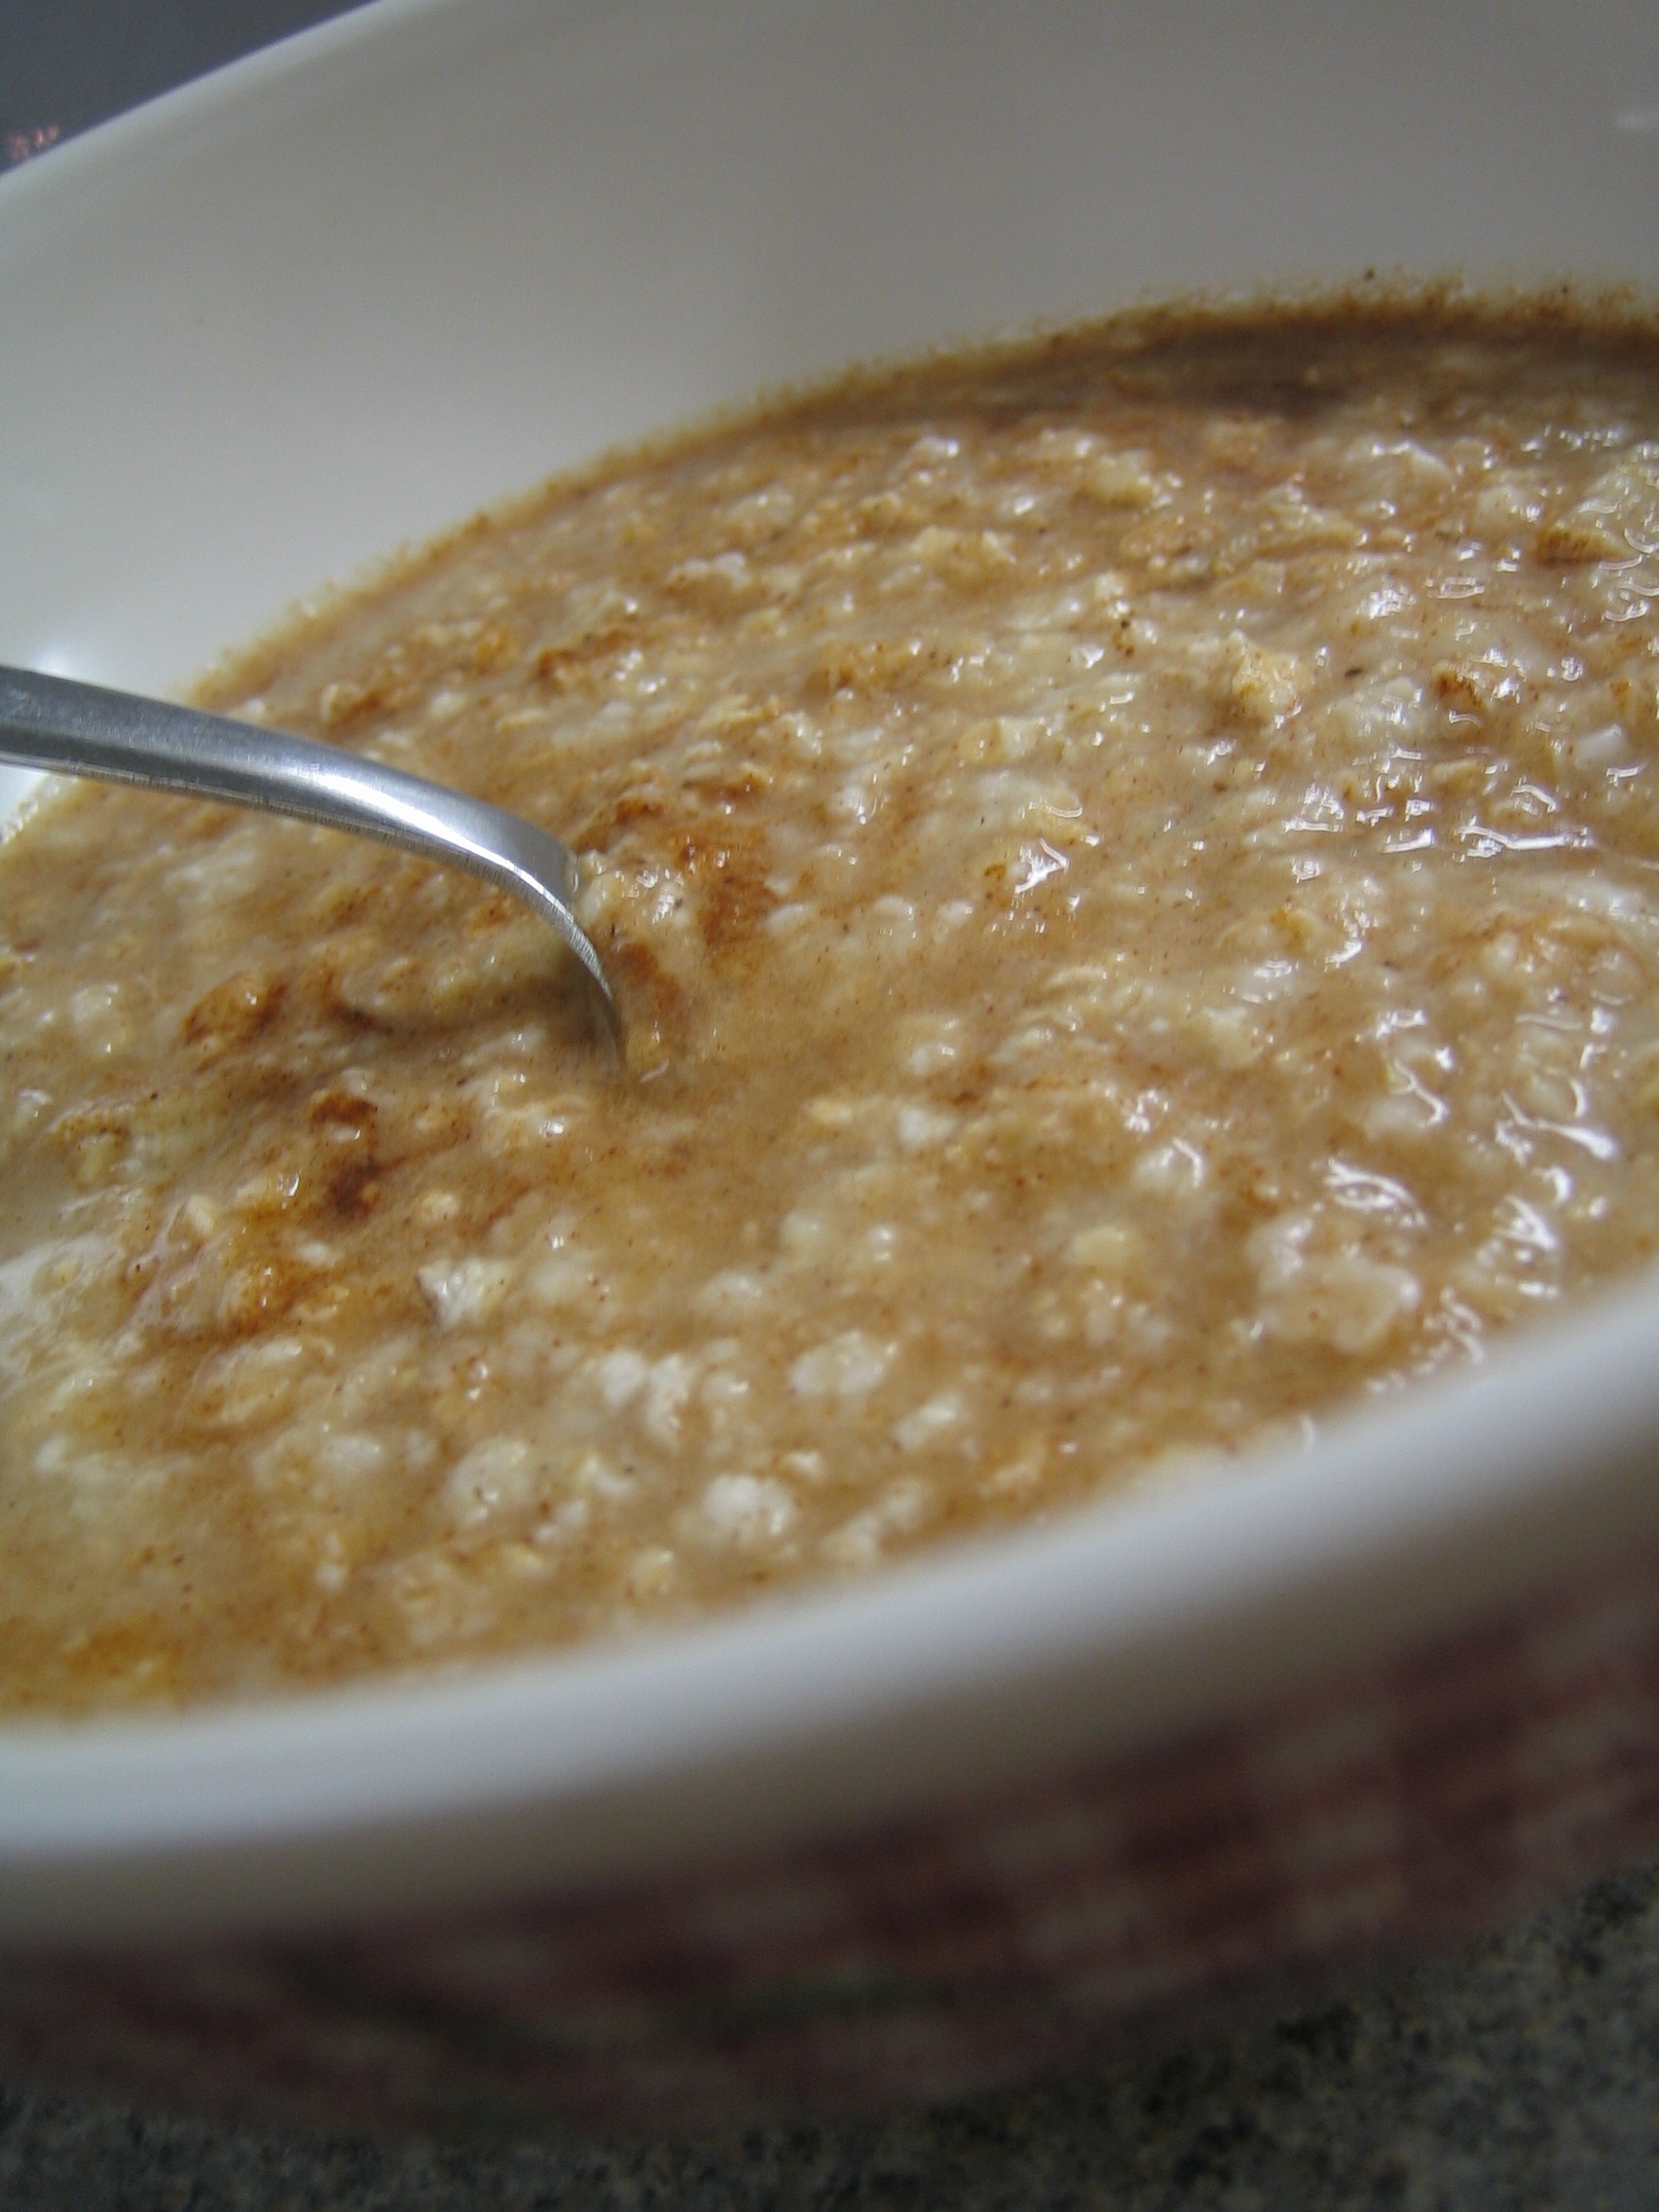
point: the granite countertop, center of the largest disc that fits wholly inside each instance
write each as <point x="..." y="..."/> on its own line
<point x="1524" y="2073"/>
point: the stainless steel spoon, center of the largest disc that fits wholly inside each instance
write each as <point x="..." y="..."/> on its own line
<point x="81" y="729"/>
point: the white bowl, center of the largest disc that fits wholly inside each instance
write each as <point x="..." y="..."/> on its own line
<point x="341" y="294"/>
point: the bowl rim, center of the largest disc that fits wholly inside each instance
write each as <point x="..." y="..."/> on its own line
<point x="951" y="1675"/>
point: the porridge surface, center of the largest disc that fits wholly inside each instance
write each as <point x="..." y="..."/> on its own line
<point x="1131" y="866"/>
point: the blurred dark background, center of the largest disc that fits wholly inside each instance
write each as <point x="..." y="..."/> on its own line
<point x="66" y="65"/>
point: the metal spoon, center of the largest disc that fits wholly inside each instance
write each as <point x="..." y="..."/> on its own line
<point x="82" y="729"/>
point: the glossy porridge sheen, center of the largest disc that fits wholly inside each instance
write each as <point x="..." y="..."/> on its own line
<point x="1130" y="864"/>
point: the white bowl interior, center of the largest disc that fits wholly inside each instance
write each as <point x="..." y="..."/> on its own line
<point x="343" y="293"/>
<point x="337" y="296"/>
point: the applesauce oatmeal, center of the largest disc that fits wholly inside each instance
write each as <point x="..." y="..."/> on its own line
<point x="1132" y="867"/>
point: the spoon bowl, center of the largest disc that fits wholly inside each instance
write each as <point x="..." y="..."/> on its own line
<point x="82" y="729"/>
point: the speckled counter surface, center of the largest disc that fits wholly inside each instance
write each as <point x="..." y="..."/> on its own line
<point x="1522" y="2074"/>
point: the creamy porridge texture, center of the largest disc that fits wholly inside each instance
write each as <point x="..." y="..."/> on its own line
<point x="1132" y="864"/>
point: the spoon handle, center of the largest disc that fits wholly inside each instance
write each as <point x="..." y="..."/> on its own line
<point x="81" y="729"/>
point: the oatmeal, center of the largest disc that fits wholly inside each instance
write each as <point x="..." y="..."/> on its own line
<point x="1132" y="868"/>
